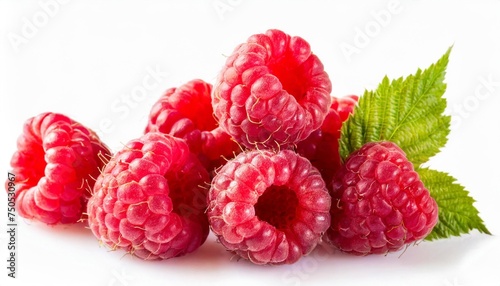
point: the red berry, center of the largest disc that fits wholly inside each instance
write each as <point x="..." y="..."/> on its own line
<point x="56" y="163"/>
<point x="269" y="208"/>
<point x="151" y="199"/>
<point x="186" y="112"/>
<point x="322" y="146"/>
<point x="379" y="204"/>
<point x="272" y="92"/>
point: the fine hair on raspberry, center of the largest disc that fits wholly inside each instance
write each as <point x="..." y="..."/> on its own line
<point x="379" y="203"/>
<point x="322" y="145"/>
<point x="272" y="91"/>
<point x="56" y="164"/>
<point x="269" y="208"/>
<point x="186" y="112"/>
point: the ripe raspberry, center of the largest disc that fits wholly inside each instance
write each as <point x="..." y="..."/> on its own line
<point x="272" y="91"/>
<point x="269" y="208"/>
<point x="186" y="112"/>
<point x="322" y="146"/>
<point x="150" y="199"/>
<point x="56" y="163"/>
<point x="379" y="204"/>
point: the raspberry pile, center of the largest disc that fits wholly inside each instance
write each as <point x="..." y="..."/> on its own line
<point x="255" y="159"/>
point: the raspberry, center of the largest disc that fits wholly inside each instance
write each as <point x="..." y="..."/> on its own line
<point x="56" y="163"/>
<point x="379" y="204"/>
<point x="269" y="208"/>
<point x="322" y="146"/>
<point x="186" y="112"/>
<point x="150" y="199"/>
<point x="272" y="92"/>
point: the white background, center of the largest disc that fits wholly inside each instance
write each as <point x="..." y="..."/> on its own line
<point x="104" y="63"/>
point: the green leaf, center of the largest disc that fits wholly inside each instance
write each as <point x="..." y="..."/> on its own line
<point x="407" y="111"/>
<point x="457" y="215"/>
<point x="410" y="112"/>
